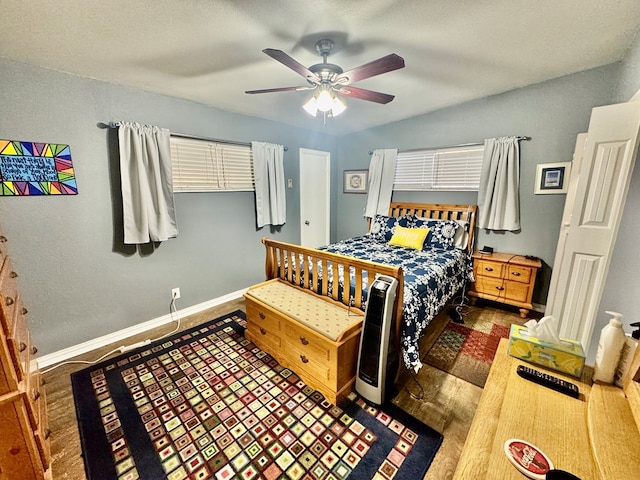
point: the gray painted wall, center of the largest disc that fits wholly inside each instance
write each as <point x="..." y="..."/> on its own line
<point x="77" y="278"/>
<point x="552" y="113"/>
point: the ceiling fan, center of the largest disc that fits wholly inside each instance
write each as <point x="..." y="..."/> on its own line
<point x="328" y="79"/>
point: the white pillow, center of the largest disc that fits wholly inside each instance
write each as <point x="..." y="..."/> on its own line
<point x="462" y="235"/>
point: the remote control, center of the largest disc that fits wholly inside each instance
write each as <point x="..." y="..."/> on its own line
<point x="549" y="381"/>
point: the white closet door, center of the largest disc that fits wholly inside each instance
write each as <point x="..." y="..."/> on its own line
<point x="315" y="191"/>
<point x="588" y="234"/>
<point x="569" y="203"/>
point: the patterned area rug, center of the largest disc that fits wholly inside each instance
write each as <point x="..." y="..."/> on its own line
<point x="208" y="404"/>
<point x="467" y="350"/>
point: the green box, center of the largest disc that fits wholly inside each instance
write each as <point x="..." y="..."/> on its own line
<point x="566" y="357"/>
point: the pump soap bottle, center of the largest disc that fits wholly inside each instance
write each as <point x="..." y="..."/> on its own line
<point x="626" y="357"/>
<point x="612" y="339"/>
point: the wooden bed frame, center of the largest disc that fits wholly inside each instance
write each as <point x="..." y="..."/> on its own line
<point x="298" y="272"/>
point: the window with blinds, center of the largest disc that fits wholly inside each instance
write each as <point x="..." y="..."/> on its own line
<point x="206" y="166"/>
<point x="453" y="168"/>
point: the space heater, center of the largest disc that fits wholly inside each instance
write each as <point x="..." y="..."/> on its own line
<point x="371" y="376"/>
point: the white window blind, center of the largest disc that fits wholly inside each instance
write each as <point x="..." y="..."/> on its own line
<point x="452" y="168"/>
<point x="207" y="166"/>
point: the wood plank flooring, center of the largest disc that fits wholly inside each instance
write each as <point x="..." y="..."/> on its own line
<point x="444" y="402"/>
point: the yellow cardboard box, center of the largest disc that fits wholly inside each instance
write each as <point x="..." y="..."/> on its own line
<point x="566" y="357"/>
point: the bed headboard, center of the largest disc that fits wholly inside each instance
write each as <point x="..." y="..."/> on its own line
<point x="465" y="213"/>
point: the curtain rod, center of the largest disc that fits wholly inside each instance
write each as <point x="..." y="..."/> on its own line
<point x="475" y="144"/>
<point x="193" y="137"/>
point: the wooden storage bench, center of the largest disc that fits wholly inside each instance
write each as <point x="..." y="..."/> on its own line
<point x="312" y="335"/>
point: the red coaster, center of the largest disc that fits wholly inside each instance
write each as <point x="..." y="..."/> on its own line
<point x="527" y="458"/>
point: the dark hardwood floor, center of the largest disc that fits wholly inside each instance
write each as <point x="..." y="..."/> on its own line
<point x="444" y="402"/>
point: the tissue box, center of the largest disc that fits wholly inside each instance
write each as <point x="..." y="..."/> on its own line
<point x="566" y="357"/>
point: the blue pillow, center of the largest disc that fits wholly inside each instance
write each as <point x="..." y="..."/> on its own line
<point x="382" y="227"/>
<point x="442" y="233"/>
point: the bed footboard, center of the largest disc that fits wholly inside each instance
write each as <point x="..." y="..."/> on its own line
<point x="303" y="267"/>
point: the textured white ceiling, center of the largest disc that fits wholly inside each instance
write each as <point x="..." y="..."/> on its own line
<point x="209" y="51"/>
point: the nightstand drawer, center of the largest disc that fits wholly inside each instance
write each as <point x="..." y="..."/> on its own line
<point x="519" y="274"/>
<point x="489" y="268"/>
<point x="502" y="289"/>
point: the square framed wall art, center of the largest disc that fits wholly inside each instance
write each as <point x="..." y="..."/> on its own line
<point x="34" y="168"/>
<point x="355" y="181"/>
<point x="552" y="178"/>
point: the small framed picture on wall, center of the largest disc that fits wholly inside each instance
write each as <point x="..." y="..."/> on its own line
<point x="552" y="178"/>
<point x="355" y="181"/>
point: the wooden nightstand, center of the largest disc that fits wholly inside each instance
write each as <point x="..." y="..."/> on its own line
<point x="505" y="278"/>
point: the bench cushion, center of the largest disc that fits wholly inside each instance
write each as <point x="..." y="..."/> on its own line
<point x="319" y="315"/>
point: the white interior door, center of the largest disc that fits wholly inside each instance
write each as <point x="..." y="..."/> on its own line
<point x="588" y="232"/>
<point x="315" y="189"/>
<point x="569" y="203"/>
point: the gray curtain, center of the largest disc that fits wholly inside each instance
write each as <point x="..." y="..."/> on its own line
<point x="381" y="171"/>
<point x="147" y="189"/>
<point x="268" y="167"/>
<point x="499" y="192"/>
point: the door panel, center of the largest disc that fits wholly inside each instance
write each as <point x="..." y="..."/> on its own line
<point x="315" y="188"/>
<point x="591" y="219"/>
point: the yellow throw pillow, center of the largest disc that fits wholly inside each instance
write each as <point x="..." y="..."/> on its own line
<point x="409" y="237"/>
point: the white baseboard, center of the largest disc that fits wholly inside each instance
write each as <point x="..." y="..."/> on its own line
<point x="70" y="352"/>
<point x="538" y="307"/>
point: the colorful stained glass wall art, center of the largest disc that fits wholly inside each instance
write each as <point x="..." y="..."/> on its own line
<point x="32" y="168"/>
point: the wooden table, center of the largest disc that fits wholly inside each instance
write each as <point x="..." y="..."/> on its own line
<point x="595" y="440"/>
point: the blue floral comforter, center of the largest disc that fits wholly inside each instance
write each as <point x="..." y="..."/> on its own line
<point x="432" y="277"/>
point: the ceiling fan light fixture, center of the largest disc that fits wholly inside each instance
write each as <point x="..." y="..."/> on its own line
<point x="338" y="107"/>
<point x="311" y="107"/>
<point x="324" y="101"/>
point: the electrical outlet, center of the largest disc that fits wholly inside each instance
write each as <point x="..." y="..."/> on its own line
<point x="175" y="293"/>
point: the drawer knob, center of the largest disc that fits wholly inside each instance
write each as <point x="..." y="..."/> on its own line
<point x="488" y="269"/>
<point x="263" y="331"/>
<point x="304" y="359"/>
<point x="22" y="347"/>
<point x="36" y="395"/>
<point x="47" y="433"/>
<point x="34" y="350"/>
<point x="24" y="311"/>
<point x="9" y="301"/>
<point x="262" y="315"/>
<point x="304" y="341"/>
<point x="500" y="288"/>
<point x="13" y="275"/>
<point x="517" y="274"/>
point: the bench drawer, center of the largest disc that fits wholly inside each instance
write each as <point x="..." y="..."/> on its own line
<point x="266" y="338"/>
<point x="307" y="344"/>
<point x="299" y="361"/>
<point x="262" y="317"/>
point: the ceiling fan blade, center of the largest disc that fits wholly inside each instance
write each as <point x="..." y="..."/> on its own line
<point x="363" y="94"/>
<point x="294" y="65"/>
<point x="382" y="65"/>
<point x="280" y="89"/>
